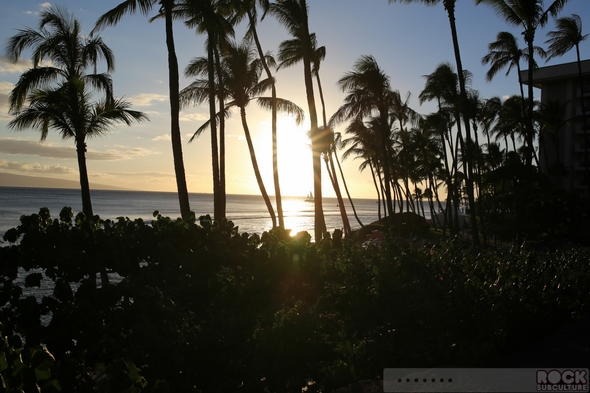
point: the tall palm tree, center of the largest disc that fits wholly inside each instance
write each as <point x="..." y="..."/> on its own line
<point x="529" y="14"/>
<point x="206" y="17"/>
<point x="369" y="93"/>
<point x="248" y="9"/>
<point x="291" y="53"/>
<point x="329" y="151"/>
<point x="504" y="52"/>
<point x="488" y="114"/>
<point x="293" y="14"/>
<point x="60" y="96"/>
<point x="403" y="115"/>
<point x="509" y="124"/>
<point x="363" y="143"/>
<point x="338" y="145"/>
<point x="443" y="86"/>
<point x="568" y="36"/>
<point x="113" y="17"/>
<point x="241" y="74"/>
<point x="449" y="6"/>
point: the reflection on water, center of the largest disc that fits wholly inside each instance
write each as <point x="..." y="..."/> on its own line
<point x="246" y="211"/>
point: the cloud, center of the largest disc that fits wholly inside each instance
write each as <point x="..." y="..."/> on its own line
<point x="147" y="99"/>
<point x="42" y="6"/>
<point x="116" y="155"/>
<point x="194" y="117"/>
<point x="32" y="148"/>
<point x="8" y="67"/>
<point x="5" y="89"/>
<point x="136" y="175"/>
<point x="49" y="150"/>
<point x="165" y="137"/>
<point x="37" y="168"/>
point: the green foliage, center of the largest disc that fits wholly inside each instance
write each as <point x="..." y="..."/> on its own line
<point x="196" y="305"/>
<point x="28" y="370"/>
<point x="520" y="204"/>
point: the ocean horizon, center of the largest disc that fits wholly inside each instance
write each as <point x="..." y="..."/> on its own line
<point x="248" y="212"/>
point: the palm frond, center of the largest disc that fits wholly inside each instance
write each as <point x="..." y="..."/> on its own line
<point x="285" y="106"/>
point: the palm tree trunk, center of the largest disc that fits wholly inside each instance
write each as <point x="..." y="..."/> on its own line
<point x="174" y="92"/>
<point x="334" y="178"/>
<point x="275" y="156"/>
<point x="321" y="93"/>
<point x="524" y="112"/>
<point x="373" y="175"/>
<point x="222" y="193"/>
<point x="385" y="159"/>
<point x="529" y="37"/>
<point x="256" y="168"/>
<point x="319" y="222"/>
<point x="450" y="7"/>
<point x="346" y="189"/>
<point x="217" y="213"/>
<point x="84" y="184"/>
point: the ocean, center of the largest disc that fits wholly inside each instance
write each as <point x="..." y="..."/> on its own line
<point x="246" y="211"/>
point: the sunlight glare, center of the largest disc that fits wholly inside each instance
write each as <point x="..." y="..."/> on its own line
<point x="295" y="167"/>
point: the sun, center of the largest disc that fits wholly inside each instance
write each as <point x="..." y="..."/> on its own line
<point x="294" y="158"/>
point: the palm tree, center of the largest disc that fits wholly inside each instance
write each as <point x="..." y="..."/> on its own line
<point x="338" y="145"/>
<point x="247" y="8"/>
<point x="449" y="6"/>
<point x="504" y="52"/>
<point x="290" y="53"/>
<point x="241" y="75"/>
<point x="59" y="96"/>
<point x="401" y="113"/>
<point x="442" y="85"/>
<point x="509" y="124"/>
<point x="293" y="15"/>
<point x="369" y="92"/>
<point x="567" y="36"/>
<point x="363" y="144"/>
<point x="206" y="17"/>
<point x="112" y="17"/>
<point x="529" y="14"/>
<point x="488" y="115"/>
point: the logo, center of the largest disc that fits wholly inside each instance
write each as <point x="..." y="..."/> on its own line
<point x="562" y="381"/>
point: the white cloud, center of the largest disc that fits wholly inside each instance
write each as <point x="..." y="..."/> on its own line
<point x="136" y="175"/>
<point x="147" y="99"/>
<point x="194" y="117"/>
<point x="33" y="148"/>
<point x="8" y="67"/>
<point x="50" y="150"/>
<point x="165" y="137"/>
<point x="36" y="168"/>
<point x="5" y="89"/>
<point x="42" y="6"/>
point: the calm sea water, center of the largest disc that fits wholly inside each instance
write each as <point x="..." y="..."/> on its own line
<point x="246" y="211"/>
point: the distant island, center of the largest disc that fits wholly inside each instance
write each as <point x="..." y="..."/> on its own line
<point x="11" y="180"/>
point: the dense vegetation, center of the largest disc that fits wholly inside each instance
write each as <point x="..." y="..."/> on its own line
<point x="195" y="305"/>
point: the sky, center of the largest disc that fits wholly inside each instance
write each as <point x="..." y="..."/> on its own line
<point x="407" y="40"/>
